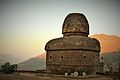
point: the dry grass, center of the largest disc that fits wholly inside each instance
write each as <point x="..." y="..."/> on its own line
<point x="32" y="76"/>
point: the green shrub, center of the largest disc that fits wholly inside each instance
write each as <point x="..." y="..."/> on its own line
<point x="8" y="69"/>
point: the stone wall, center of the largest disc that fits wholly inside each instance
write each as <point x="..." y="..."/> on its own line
<point x="72" y="60"/>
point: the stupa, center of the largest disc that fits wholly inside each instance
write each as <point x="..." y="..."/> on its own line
<point x="75" y="51"/>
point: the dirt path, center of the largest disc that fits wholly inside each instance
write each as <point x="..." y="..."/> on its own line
<point x="34" y="77"/>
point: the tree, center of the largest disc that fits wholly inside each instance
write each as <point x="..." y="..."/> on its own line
<point x="113" y="64"/>
<point x="8" y="69"/>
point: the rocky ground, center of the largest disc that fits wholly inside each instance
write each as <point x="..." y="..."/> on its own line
<point x="33" y="76"/>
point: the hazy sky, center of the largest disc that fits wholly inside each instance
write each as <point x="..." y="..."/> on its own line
<point x="26" y="25"/>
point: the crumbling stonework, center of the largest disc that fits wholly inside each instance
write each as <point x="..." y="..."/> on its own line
<point x="75" y="51"/>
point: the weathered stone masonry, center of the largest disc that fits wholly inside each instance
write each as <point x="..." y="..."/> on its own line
<point x="75" y="51"/>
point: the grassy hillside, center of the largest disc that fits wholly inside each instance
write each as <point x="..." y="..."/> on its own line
<point x="112" y="58"/>
<point x="32" y="64"/>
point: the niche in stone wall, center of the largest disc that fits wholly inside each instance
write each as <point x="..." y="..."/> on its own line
<point x="61" y="57"/>
<point x="50" y="57"/>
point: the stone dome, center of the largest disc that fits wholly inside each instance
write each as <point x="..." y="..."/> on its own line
<point x="73" y="43"/>
<point x="75" y="24"/>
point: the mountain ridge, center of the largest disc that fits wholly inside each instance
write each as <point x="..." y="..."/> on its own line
<point x="109" y="43"/>
<point x="33" y="63"/>
<point x="4" y="57"/>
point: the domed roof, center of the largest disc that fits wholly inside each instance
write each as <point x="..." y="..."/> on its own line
<point x="75" y="24"/>
<point x="73" y="43"/>
<point x="75" y="31"/>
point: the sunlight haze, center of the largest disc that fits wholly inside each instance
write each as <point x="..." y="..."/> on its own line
<point x="27" y="25"/>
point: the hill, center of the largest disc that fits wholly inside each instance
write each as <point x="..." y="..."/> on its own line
<point x="109" y="43"/>
<point x="33" y="63"/>
<point x="41" y="56"/>
<point x="4" y="57"/>
<point x="112" y="58"/>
